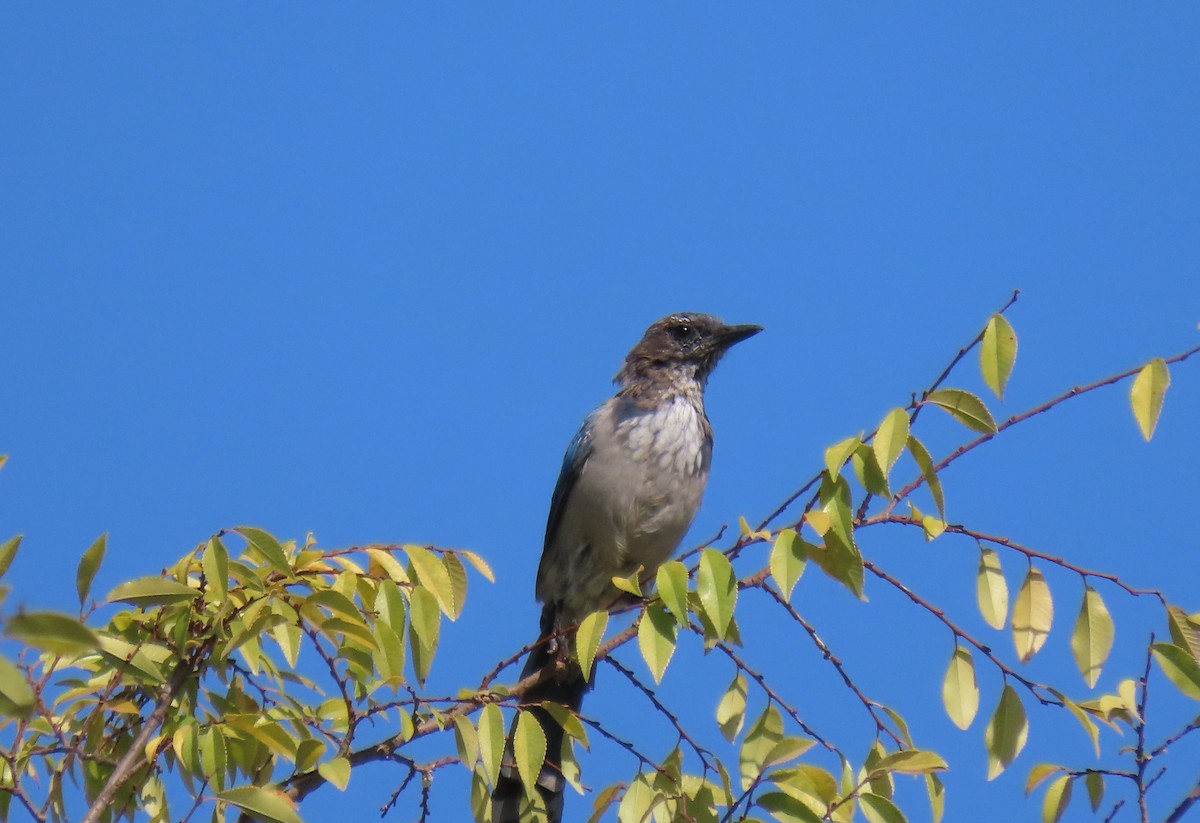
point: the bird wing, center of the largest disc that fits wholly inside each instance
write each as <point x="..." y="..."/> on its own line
<point x="576" y="457"/>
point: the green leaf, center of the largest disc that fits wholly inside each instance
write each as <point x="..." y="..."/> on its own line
<point x="967" y="408"/>
<point x="1058" y="795"/>
<point x="336" y="771"/>
<point x="1180" y="667"/>
<point x="529" y="748"/>
<point x="656" y="639"/>
<point x="151" y="591"/>
<point x="761" y="737"/>
<point x="1085" y="720"/>
<point x="869" y="474"/>
<point x="910" y="761"/>
<point x="839" y="558"/>
<point x="837" y="455"/>
<point x="479" y="563"/>
<point x="52" y="632"/>
<point x="264" y="544"/>
<point x="425" y="627"/>
<point x="390" y="659"/>
<point x="491" y="740"/>
<point x="16" y="695"/>
<point x="458" y="582"/>
<point x="786" y="808"/>
<point x="631" y="584"/>
<point x="672" y="581"/>
<point x="8" y="551"/>
<point x="88" y="566"/>
<point x="937" y="797"/>
<point x="890" y="439"/>
<point x="731" y="711"/>
<point x="960" y="689"/>
<point x="925" y="464"/>
<point x="268" y="805"/>
<point x="788" y="556"/>
<point x="1092" y="639"/>
<point x="991" y="588"/>
<point x="215" y="563"/>
<point x="1006" y="733"/>
<point x="587" y="640"/>
<point x="997" y="353"/>
<point x="879" y="809"/>
<point x="433" y="576"/>
<point x="1038" y="775"/>
<point x="1033" y="613"/>
<point x="1185" y="631"/>
<point x="717" y="588"/>
<point x="1146" y="395"/>
<point x="1095" y="789"/>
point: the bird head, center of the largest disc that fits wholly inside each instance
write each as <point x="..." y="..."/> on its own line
<point x="683" y="346"/>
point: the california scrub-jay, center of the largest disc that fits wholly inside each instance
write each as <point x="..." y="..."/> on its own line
<point x="630" y="484"/>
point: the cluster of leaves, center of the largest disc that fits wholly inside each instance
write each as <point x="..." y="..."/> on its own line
<point x="239" y="683"/>
<point x="199" y="675"/>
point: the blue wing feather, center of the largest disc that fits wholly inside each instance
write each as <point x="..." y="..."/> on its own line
<point x="578" y="452"/>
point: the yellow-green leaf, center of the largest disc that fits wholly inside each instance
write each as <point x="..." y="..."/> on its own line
<point x="267" y="547"/>
<point x="910" y="761"/>
<point x="672" y="579"/>
<point x="215" y="563"/>
<point x="967" y="408"/>
<point x="960" y="689"/>
<point x="1146" y="395"/>
<point x="837" y="455"/>
<point x="631" y="584"/>
<point x="785" y="808"/>
<point x="1179" y="665"/>
<point x="587" y="640"/>
<point x="89" y="564"/>
<point x="491" y="740"/>
<point x="761" y="737"/>
<point x="879" y="809"/>
<point x="1093" y="636"/>
<point x="997" y="353"/>
<point x="424" y="629"/>
<point x="529" y="748"/>
<point x="731" y="711"/>
<point x="458" y="582"/>
<point x="1095" y="789"/>
<point x="890" y="439"/>
<point x="8" y="551"/>
<point x="151" y="591"/>
<point x="336" y="771"/>
<point x="717" y="588"/>
<point x="991" y="588"/>
<point x="52" y="632"/>
<point x="937" y="797"/>
<point x="1038" y="775"/>
<point x="656" y="639"/>
<point x="1033" y="614"/>
<point x="1006" y="733"/>
<point x="433" y="576"/>
<point x="1058" y="795"/>
<point x="869" y="473"/>
<point x="925" y="464"/>
<point x="1185" y="631"/>
<point x="266" y="804"/>
<point x="479" y="563"/>
<point x="16" y="695"/>
<point x="788" y="556"/>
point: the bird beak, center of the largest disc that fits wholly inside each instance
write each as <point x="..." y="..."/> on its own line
<point x="729" y="335"/>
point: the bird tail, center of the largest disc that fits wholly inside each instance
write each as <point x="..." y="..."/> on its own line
<point x="566" y="687"/>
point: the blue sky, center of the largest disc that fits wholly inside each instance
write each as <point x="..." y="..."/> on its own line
<point x="361" y="270"/>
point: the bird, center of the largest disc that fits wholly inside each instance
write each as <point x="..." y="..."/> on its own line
<point x="631" y="483"/>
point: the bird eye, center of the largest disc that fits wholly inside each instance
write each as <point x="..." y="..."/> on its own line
<point x="681" y="331"/>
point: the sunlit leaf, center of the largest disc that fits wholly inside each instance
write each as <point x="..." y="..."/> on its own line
<point x="788" y="556"/>
<point x="911" y="761"/>
<point x="480" y="564"/>
<point x="433" y="576"/>
<point x="869" y="473"/>
<point x="1185" y="631"/>
<point x="1006" y="733"/>
<point x="16" y="695"/>
<point x="1093" y="636"/>
<point x="656" y="639"/>
<point x="215" y="563"/>
<point x="837" y="455"/>
<point x="587" y="640"/>
<point x="761" y="737"/>
<point x="925" y="464"/>
<point x="267" y="547"/>
<point x="1095" y="789"/>
<point x="1058" y="795"/>
<point x="269" y="805"/>
<point x="890" y="439"/>
<point x="717" y="587"/>
<point x="967" y="408"/>
<point x="960" y="689"/>
<point x="991" y="588"/>
<point x="52" y="632"/>
<point x="879" y="809"/>
<point x="89" y="564"/>
<point x="997" y="353"/>
<point x="8" y="551"/>
<point x="1038" y="775"/>
<point x="458" y="582"/>
<point x="151" y="591"/>
<point x="529" y="749"/>
<point x="1146" y="395"/>
<point x="786" y="808"/>
<point x="1033" y="614"/>
<point x="491" y="740"/>
<point x="731" y="711"/>
<point x="1179" y="665"/>
<point x="425" y="627"/>
<point x="672" y="583"/>
<point x="936" y="791"/>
